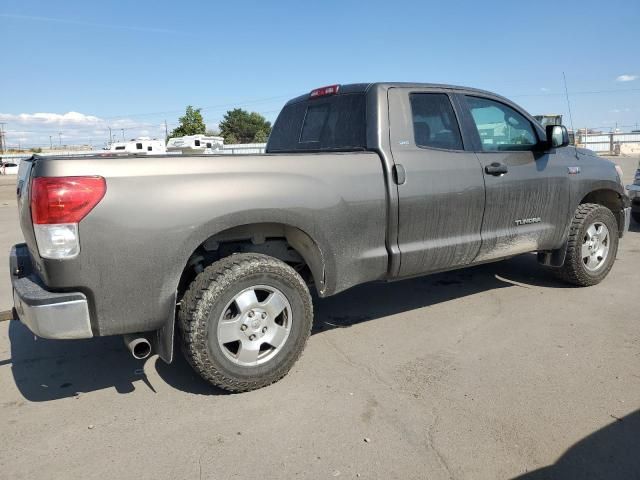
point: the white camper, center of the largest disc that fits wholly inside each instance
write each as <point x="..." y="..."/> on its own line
<point x="143" y="145"/>
<point x="196" y="144"/>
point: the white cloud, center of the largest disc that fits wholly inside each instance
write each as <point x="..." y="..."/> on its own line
<point x="43" y="128"/>
<point x="543" y="89"/>
<point x="69" y="118"/>
<point x="626" y="78"/>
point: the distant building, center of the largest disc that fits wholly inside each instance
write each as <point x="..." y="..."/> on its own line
<point x="549" y="119"/>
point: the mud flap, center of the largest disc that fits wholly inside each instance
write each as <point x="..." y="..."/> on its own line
<point x="162" y="339"/>
<point x="553" y="258"/>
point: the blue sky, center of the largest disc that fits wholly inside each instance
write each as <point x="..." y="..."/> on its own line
<point x="134" y="64"/>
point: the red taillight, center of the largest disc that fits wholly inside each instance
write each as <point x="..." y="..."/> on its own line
<point x="324" y="91"/>
<point x="64" y="199"/>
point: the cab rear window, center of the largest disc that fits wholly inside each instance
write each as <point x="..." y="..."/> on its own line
<point x="334" y="123"/>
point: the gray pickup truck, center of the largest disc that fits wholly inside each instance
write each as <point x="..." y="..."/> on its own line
<point x="360" y="183"/>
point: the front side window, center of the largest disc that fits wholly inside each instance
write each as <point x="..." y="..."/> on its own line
<point x="139" y="146"/>
<point x="434" y="122"/>
<point x="500" y="127"/>
<point x="197" y="143"/>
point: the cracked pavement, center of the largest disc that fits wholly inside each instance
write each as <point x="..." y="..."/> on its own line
<point x="458" y="375"/>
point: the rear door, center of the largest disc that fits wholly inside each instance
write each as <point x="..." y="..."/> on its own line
<point x="441" y="201"/>
<point x="527" y="195"/>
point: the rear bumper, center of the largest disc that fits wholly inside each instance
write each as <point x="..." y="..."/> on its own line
<point x="58" y="315"/>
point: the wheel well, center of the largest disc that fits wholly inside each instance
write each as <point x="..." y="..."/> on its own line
<point x="610" y="199"/>
<point x="286" y="243"/>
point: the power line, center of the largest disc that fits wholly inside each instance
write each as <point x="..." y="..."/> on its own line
<point x="588" y="92"/>
<point x="206" y="107"/>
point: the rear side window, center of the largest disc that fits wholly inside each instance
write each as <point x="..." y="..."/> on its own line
<point x="332" y="123"/>
<point x="434" y="122"/>
<point x="139" y="146"/>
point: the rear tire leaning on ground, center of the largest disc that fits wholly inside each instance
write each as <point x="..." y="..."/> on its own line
<point x="245" y="321"/>
<point x="592" y="246"/>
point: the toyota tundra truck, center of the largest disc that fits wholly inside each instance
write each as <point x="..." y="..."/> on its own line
<point x="359" y="183"/>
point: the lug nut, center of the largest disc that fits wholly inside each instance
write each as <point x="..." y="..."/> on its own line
<point x="243" y="327"/>
<point x="264" y="315"/>
<point x="251" y="314"/>
<point x="252" y="337"/>
<point x="264" y="329"/>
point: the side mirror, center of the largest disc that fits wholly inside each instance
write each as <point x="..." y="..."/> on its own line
<point x="557" y="136"/>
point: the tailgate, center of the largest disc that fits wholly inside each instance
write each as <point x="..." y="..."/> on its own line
<point x="24" y="207"/>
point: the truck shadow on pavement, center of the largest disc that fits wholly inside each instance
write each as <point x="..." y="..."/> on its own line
<point x="46" y="370"/>
<point x="375" y="300"/>
<point x="613" y="452"/>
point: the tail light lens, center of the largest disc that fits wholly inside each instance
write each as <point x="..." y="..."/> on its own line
<point x="64" y="199"/>
<point x="58" y="204"/>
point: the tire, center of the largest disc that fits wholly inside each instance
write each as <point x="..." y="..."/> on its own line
<point x="636" y="216"/>
<point x="591" y="270"/>
<point x="218" y="307"/>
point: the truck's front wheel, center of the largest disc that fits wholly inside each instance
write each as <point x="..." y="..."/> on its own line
<point x="591" y="247"/>
<point x="245" y="321"/>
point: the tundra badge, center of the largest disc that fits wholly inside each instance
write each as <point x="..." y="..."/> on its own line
<point x="527" y="221"/>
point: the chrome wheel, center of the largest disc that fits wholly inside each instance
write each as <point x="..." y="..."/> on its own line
<point x="254" y="326"/>
<point x="595" y="246"/>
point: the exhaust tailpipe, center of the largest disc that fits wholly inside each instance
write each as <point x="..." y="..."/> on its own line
<point x="139" y="347"/>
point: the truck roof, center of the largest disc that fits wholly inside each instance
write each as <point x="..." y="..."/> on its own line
<point x="364" y="87"/>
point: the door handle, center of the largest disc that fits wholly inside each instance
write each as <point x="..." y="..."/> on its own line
<point x="496" y="169"/>
<point x="399" y="174"/>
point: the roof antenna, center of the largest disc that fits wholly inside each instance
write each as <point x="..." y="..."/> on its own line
<point x="566" y="92"/>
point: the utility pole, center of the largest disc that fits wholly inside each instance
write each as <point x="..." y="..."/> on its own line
<point x="166" y="131"/>
<point x="3" y="144"/>
<point x="122" y="134"/>
<point x="110" y="137"/>
<point x="60" y="138"/>
<point x="50" y="142"/>
<point x="3" y="140"/>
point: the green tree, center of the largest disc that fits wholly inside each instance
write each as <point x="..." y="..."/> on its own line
<point x="191" y="123"/>
<point x="261" y="137"/>
<point x="240" y="126"/>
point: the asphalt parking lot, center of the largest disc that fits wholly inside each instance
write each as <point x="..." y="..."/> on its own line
<point x="493" y="372"/>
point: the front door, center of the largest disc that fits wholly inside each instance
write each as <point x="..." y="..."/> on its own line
<point x="527" y="194"/>
<point x="441" y="200"/>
